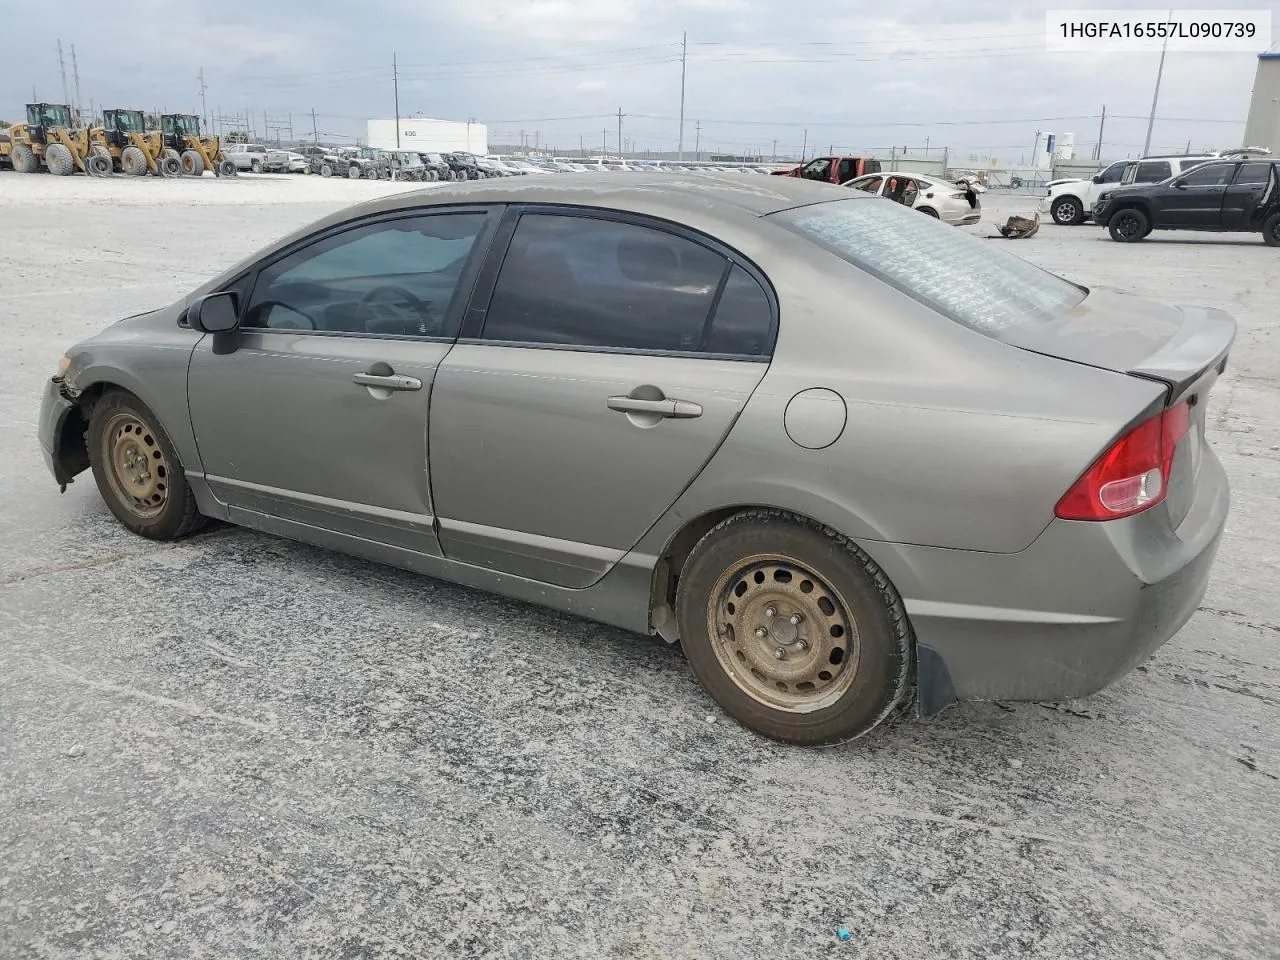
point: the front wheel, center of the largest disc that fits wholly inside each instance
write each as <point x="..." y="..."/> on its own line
<point x="137" y="469"/>
<point x="255" y="167"/>
<point x="1067" y="211"/>
<point x="1128" y="226"/>
<point x="1271" y="230"/>
<point x="792" y="629"/>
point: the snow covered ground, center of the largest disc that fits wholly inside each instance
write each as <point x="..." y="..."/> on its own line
<point x="238" y="746"/>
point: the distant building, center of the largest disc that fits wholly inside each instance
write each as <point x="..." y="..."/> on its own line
<point x="1262" y="129"/>
<point x="429" y="136"/>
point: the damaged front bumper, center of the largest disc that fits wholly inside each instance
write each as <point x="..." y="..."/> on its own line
<point x="60" y="431"/>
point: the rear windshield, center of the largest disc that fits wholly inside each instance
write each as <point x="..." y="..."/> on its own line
<point x="970" y="280"/>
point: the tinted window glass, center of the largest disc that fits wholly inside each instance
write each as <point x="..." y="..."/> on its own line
<point x="392" y="278"/>
<point x="1253" y="173"/>
<point x="743" y="324"/>
<point x="601" y="283"/>
<point x="1112" y="174"/>
<point x="1153" y="171"/>
<point x="1210" y="175"/>
<point x="956" y="273"/>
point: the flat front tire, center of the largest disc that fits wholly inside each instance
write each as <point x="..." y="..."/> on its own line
<point x="137" y="470"/>
<point x="792" y="629"/>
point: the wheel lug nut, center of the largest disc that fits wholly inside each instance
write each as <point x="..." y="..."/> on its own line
<point x="780" y="654"/>
<point x="761" y="632"/>
<point x="796" y="618"/>
<point x="801" y="644"/>
<point x="770" y="611"/>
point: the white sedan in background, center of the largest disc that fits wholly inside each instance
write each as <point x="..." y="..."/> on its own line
<point x="949" y="202"/>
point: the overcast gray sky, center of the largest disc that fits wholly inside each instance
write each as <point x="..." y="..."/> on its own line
<point x="969" y="74"/>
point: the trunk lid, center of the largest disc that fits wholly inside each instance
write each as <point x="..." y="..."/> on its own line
<point x="1183" y="348"/>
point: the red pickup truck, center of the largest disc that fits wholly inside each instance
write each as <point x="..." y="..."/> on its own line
<point x="832" y="169"/>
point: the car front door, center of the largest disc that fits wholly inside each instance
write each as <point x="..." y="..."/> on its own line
<point x="1194" y="199"/>
<point x="1254" y="186"/>
<point x="598" y="372"/>
<point x="819" y="169"/>
<point x="318" y="416"/>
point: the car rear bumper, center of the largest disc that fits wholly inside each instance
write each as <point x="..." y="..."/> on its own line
<point x="1075" y="611"/>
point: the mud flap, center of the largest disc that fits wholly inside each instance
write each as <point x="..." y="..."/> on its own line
<point x="934" y="692"/>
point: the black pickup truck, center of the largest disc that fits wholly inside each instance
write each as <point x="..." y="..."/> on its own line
<point x="1237" y="195"/>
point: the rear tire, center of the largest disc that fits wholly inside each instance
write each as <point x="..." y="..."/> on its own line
<point x="354" y="172"/>
<point x="137" y="470"/>
<point x="24" y="159"/>
<point x="255" y="167"/>
<point x="192" y="164"/>
<point x="133" y="161"/>
<point x="930" y="212"/>
<point x="792" y="629"/>
<point x="99" y="165"/>
<point x="326" y="170"/>
<point x="59" y="160"/>
<point x="1128" y="225"/>
<point x="227" y="168"/>
<point x="1271" y="230"/>
<point x="1067" y="212"/>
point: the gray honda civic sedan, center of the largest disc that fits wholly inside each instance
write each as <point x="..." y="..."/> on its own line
<point x="850" y="458"/>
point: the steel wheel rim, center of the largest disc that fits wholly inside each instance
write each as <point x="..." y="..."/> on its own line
<point x="1066" y="212"/>
<point x="136" y="466"/>
<point x="783" y="634"/>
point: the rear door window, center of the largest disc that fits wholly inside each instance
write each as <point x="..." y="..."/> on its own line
<point x="1253" y="173"/>
<point x="1153" y="171"/>
<point x="586" y="282"/>
<point x="961" y="276"/>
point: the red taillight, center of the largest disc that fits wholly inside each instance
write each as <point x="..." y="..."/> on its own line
<point x="1133" y="475"/>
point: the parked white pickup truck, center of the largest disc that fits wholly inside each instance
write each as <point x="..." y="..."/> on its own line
<point x="247" y="156"/>
<point x="1070" y="202"/>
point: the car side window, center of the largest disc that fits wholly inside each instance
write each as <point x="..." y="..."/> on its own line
<point x="1209" y="175"/>
<point x="393" y="278"/>
<point x="1113" y="173"/>
<point x="869" y="184"/>
<point x="1253" y="173"/>
<point x="1153" y="171"/>
<point x="818" y="169"/>
<point x="743" y="321"/>
<point x="586" y="282"/>
<point x="848" y="168"/>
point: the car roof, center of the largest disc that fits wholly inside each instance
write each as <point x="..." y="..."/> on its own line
<point x="666" y="198"/>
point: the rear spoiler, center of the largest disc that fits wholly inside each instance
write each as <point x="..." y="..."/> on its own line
<point x="1201" y="344"/>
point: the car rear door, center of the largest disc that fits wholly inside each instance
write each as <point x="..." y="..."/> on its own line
<point x="319" y="415"/>
<point x="599" y="370"/>
<point x="1254" y="185"/>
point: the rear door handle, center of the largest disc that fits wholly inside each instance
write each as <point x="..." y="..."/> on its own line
<point x="393" y="381"/>
<point x="674" y="409"/>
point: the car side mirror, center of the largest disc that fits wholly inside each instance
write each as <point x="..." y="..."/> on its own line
<point x="1097" y="178"/>
<point x="1180" y="184"/>
<point x="215" y="313"/>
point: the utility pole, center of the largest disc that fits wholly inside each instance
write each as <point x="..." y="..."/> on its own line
<point x="62" y="68"/>
<point x="395" y="81"/>
<point x="582" y="150"/>
<point x="1151" y="120"/>
<point x="604" y="141"/>
<point x="620" y="116"/>
<point x="75" y="73"/>
<point x="805" y="146"/>
<point x="315" y="134"/>
<point x="697" y="143"/>
<point x="204" y="106"/>
<point x="926" y="146"/>
<point x="775" y="151"/>
<point x="1097" y="150"/>
<point x="684" y="53"/>
<point x="34" y="98"/>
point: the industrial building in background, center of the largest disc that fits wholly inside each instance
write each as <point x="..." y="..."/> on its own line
<point x="1262" y="129"/>
<point x="429" y="136"/>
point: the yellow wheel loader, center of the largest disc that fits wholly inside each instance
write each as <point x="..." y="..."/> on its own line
<point x="196" y="154"/>
<point x="49" y="139"/>
<point x="124" y="140"/>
